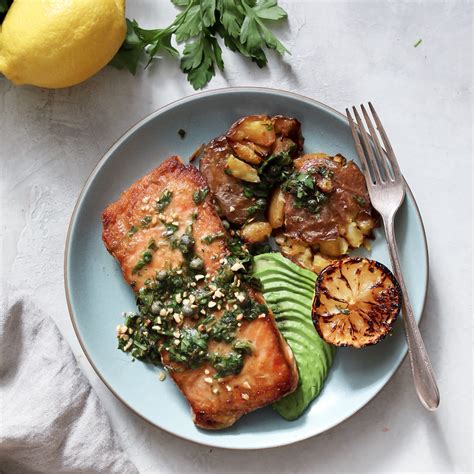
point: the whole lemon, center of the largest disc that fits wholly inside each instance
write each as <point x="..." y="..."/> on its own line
<point x="59" y="43"/>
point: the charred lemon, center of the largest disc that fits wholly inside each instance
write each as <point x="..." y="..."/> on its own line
<point x="356" y="302"/>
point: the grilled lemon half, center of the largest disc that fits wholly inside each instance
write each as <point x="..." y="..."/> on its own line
<point x="356" y="302"/>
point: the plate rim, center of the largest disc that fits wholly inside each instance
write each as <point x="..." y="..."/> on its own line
<point x="136" y="126"/>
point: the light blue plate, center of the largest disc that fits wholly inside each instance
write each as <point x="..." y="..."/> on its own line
<point x="97" y="294"/>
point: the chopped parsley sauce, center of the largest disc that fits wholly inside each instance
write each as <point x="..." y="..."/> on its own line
<point x="303" y="187"/>
<point x="200" y="195"/>
<point x="163" y="202"/>
<point x="181" y="310"/>
<point x="145" y="257"/>
<point x="359" y="200"/>
<point x="133" y="230"/>
<point x="208" y="239"/>
<point x="145" y="221"/>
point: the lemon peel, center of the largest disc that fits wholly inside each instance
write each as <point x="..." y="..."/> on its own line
<point x="59" y="43"/>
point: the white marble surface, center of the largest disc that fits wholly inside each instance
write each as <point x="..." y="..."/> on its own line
<point x="342" y="53"/>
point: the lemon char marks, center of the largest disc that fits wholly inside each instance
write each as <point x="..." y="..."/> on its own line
<point x="356" y="303"/>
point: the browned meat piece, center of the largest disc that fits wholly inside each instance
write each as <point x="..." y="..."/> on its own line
<point x="347" y="202"/>
<point x="227" y="190"/>
<point x="251" y="140"/>
<point x="136" y="219"/>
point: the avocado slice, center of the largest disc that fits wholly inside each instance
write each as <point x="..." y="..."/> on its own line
<point x="270" y="261"/>
<point x="289" y="290"/>
<point x="279" y="278"/>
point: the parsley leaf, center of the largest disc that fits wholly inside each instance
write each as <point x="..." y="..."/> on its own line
<point x="269" y="10"/>
<point x="199" y="60"/>
<point x="201" y="26"/>
<point x="4" y="6"/>
<point x="164" y="200"/>
<point x="200" y="195"/>
<point x="139" y="42"/>
<point x="208" y="239"/>
<point x="208" y="12"/>
<point x="230" y="17"/>
<point x="132" y="230"/>
<point x="180" y="3"/>
<point x="228" y="364"/>
<point x="276" y="168"/>
<point x="131" y="50"/>
<point x="254" y="31"/>
<point x="306" y="195"/>
<point x="190" y="24"/>
<point x="359" y="200"/>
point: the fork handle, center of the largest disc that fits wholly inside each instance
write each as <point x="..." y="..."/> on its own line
<point x="425" y="383"/>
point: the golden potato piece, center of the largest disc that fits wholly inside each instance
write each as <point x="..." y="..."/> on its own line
<point x="334" y="248"/>
<point x="241" y="170"/>
<point x="326" y="185"/>
<point x="276" y="211"/>
<point x="340" y="159"/>
<point x="255" y="128"/>
<point x="246" y="153"/>
<point x="290" y="128"/>
<point x="354" y="236"/>
<point x="256" y="232"/>
<point x="299" y="162"/>
<point x="227" y="190"/>
<point x="260" y="150"/>
<point x="320" y="262"/>
<point x="296" y="251"/>
<point x="366" y="225"/>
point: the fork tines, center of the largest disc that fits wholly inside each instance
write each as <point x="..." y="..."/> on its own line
<point x="380" y="166"/>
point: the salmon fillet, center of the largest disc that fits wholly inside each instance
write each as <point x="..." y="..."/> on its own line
<point x="269" y="372"/>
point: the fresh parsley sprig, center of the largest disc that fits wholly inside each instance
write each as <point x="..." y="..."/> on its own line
<point x="4" y="6"/>
<point x="241" y="24"/>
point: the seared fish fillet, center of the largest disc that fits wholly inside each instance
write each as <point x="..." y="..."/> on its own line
<point x="269" y="372"/>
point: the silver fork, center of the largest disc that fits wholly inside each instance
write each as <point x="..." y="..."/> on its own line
<point x="386" y="187"/>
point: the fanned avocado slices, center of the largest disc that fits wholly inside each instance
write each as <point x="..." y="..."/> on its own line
<point x="289" y="290"/>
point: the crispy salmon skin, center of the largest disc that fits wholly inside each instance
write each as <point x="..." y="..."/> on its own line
<point x="139" y="224"/>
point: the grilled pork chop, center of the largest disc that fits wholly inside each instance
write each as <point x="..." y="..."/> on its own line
<point x="136" y="231"/>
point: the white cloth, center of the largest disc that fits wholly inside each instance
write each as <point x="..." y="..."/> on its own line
<point x="51" y="419"/>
